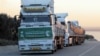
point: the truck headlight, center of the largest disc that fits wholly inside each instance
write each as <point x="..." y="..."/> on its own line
<point x="21" y="34"/>
<point x="48" y="44"/>
<point x="47" y="33"/>
<point x="22" y="45"/>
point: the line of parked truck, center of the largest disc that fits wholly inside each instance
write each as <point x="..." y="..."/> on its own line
<point x="42" y="31"/>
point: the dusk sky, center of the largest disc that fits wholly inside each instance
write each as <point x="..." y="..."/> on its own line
<point x="87" y="12"/>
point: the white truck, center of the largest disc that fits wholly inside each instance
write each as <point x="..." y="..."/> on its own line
<point x="61" y="19"/>
<point x="75" y="34"/>
<point x="39" y="31"/>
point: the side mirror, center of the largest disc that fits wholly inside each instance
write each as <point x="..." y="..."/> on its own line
<point x="15" y="17"/>
<point x="55" y="19"/>
<point x="23" y="18"/>
<point x="21" y="6"/>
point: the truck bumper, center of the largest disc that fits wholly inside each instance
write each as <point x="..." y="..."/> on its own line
<point x="39" y="51"/>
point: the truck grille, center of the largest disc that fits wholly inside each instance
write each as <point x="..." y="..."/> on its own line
<point x="36" y="45"/>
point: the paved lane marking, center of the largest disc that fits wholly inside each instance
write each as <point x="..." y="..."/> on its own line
<point x="88" y="50"/>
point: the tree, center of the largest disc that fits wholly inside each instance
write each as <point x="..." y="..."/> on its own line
<point x="7" y="27"/>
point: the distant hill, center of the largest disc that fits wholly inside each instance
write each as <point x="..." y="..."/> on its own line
<point x="92" y="29"/>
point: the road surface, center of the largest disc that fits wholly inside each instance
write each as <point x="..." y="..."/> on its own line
<point x="89" y="48"/>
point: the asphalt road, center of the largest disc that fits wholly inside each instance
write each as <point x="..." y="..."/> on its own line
<point x="89" y="48"/>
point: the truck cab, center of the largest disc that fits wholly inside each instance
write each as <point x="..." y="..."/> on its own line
<point x="61" y="17"/>
<point x="35" y="33"/>
<point x="76" y="34"/>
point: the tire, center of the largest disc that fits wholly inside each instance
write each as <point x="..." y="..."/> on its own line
<point x="66" y="45"/>
<point x="79" y="41"/>
<point x="83" y="40"/>
<point x="59" y="46"/>
<point x="70" y="41"/>
<point x="55" y="49"/>
<point x="52" y="51"/>
<point x="74" y="41"/>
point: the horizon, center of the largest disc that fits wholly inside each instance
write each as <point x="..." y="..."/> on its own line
<point x="85" y="11"/>
<point x="92" y="29"/>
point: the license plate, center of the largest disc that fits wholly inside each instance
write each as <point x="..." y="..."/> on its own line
<point x="35" y="48"/>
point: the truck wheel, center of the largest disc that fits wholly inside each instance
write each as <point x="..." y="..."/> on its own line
<point x="62" y="45"/>
<point x="83" y="40"/>
<point x="74" y="41"/>
<point x="70" y="41"/>
<point x="79" y="41"/>
<point x="52" y="51"/>
<point x="55" y="48"/>
<point x="66" y="45"/>
<point x="59" y="46"/>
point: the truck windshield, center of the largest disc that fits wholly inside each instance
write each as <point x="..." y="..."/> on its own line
<point x="36" y="18"/>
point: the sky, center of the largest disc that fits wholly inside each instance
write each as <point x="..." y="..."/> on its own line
<point x="87" y="12"/>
